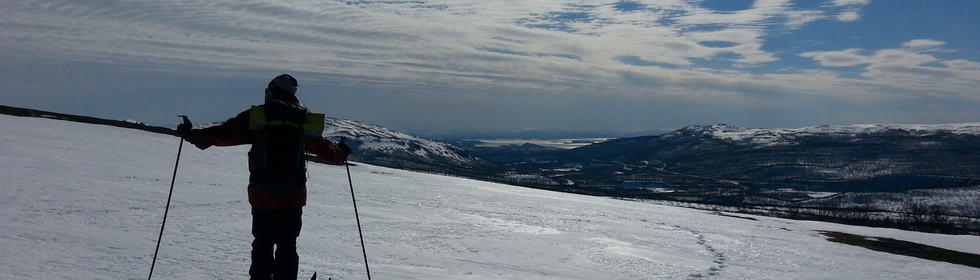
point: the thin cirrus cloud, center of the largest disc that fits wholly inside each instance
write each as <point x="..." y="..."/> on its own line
<point x="851" y="2"/>
<point x="911" y="67"/>
<point x="844" y="58"/>
<point x="923" y="43"/>
<point x="401" y="40"/>
<point x="849" y="16"/>
<point x="852" y="9"/>
<point x="670" y="48"/>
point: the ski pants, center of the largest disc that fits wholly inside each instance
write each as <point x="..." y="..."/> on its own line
<point x="274" y="248"/>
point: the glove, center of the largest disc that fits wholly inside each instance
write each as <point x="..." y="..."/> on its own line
<point x="184" y="129"/>
<point x="343" y="146"/>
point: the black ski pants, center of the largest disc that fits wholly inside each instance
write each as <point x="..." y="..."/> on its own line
<point x="274" y="248"/>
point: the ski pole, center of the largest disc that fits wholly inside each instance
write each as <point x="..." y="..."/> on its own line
<point x="356" y="216"/>
<point x="180" y="147"/>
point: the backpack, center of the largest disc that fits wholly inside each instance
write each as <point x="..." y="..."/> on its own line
<point x="279" y="149"/>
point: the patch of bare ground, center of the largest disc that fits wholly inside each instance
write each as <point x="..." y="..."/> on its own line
<point x="733" y="216"/>
<point x="905" y="248"/>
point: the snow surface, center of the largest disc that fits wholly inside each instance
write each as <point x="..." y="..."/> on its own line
<point x="768" y="137"/>
<point x="81" y="201"/>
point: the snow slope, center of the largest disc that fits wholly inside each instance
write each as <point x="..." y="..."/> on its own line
<point x="81" y="201"/>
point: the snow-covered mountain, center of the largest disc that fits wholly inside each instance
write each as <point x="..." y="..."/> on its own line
<point x="382" y="146"/>
<point x="792" y="136"/>
<point x="881" y="157"/>
<point x="730" y="165"/>
<point x="82" y="201"/>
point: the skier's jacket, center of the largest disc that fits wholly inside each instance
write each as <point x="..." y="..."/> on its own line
<point x="240" y="130"/>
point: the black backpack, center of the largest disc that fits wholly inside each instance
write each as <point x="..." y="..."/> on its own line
<point x="280" y="146"/>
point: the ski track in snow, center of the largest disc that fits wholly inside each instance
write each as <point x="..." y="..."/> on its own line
<point x="81" y="201"/>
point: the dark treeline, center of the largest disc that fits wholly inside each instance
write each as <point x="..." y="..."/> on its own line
<point x="24" y="112"/>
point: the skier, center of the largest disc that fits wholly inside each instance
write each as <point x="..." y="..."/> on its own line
<point x="281" y="132"/>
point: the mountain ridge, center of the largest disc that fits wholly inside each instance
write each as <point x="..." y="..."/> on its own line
<point x="785" y="136"/>
<point x="386" y="147"/>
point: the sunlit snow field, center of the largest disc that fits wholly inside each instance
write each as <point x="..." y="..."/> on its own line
<point x="80" y="201"/>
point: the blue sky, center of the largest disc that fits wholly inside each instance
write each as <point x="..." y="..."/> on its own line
<point x="469" y="65"/>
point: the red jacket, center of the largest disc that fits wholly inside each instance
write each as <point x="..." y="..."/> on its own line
<point x="236" y="131"/>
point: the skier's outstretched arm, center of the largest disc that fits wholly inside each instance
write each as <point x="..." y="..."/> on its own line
<point x="232" y="132"/>
<point x="327" y="151"/>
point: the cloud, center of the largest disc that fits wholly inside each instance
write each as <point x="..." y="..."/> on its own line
<point x="849" y="16"/>
<point x="845" y="58"/>
<point x="797" y="19"/>
<point x="923" y="43"/>
<point x="669" y="49"/>
<point x="358" y="36"/>
<point x="962" y="64"/>
<point x="849" y="10"/>
<point x="851" y="2"/>
<point x="901" y="57"/>
<point x="762" y="13"/>
<point x="908" y="68"/>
